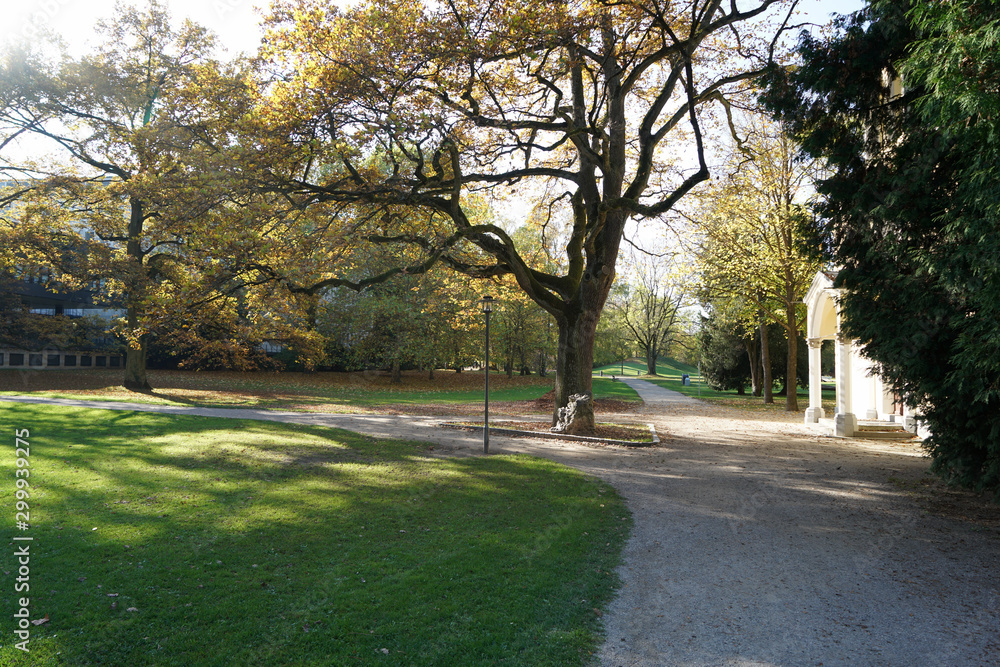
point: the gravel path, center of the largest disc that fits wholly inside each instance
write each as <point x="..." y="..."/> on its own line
<point x="656" y="399"/>
<point x="757" y="542"/>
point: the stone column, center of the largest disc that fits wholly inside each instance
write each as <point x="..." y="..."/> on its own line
<point x="844" y="422"/>
<point x="909" y="420"/>
<point x="815" y="410"/>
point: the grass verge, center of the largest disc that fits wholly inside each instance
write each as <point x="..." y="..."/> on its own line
<point x="175" y="540"/>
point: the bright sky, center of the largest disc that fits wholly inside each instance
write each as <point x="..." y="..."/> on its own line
<point x="234" y="21"/>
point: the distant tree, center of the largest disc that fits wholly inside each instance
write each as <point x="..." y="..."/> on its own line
<point x="724" y="361"/>
<point x="752" y="244"/>
<point x="650" y="307"/>
<point x="731" y="359"/>
<point x="683" y="345"/>
<point x="901" y="101"/>
<point x="613" y="341"/>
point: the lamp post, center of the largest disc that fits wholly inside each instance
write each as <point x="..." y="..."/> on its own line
<point x="487" y="303"/>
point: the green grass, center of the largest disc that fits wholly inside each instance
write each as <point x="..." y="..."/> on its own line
<point x="332" y="392"/>
<point x="254" y="543"/>
<point x="637" y="367"/>
<point x="276" y="390"/>
<point x="605" y="387"/>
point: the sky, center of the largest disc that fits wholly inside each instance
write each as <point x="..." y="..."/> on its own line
<point x="234" y="21"/>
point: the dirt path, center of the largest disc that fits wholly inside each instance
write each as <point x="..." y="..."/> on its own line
<point x="759" y="543"/>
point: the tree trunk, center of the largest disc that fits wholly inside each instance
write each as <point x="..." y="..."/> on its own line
<point x="575" y="361"/>
<point x="651" y="360"/>
<point x="430" y="372"/>
<point x="765" y="360"/>
<point x="751" y="346"/>
<point x="791" y="367"/>
<point x="135" y="359"/>
<point x="397" y="373"/>
<point x="135" y="368"/>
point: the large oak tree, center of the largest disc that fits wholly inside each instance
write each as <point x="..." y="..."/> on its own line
<point x="596" y="111"/>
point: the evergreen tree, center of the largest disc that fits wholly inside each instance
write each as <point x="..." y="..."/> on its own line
<point x="724" y="360"/>
<point x="902" y="102"/>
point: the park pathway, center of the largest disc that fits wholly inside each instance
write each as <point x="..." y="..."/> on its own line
<point x="757" y="543"/>
<point x="657" y="399"/>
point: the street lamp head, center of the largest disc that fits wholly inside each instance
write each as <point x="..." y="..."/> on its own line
<point x="487" y="302"/>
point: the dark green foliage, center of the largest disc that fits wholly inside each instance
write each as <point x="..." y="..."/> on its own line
<point x="724" y="362"/>
<point x="911" y="211"/>
<point x="778" y="340"/>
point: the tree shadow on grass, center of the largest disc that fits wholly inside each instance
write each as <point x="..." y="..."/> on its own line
<point x="242" y="542"/>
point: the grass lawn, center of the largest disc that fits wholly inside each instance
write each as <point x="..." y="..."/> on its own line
<point x="637" y="367"/>
<point x="328" y="392"/>
<point x="607" y="388"/>
<point x="175" y="540"/>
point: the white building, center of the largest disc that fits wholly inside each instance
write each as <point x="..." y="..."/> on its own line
<point x="864" y="403"/>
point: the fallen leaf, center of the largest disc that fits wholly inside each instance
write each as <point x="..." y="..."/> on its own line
<point x="131" y="609"/>
<point x="112" y="595"/>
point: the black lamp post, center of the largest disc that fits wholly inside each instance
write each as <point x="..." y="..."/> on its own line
<point x="487" y="303"/>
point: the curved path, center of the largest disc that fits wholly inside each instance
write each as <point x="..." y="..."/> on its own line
<point x="757" y="542"/>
